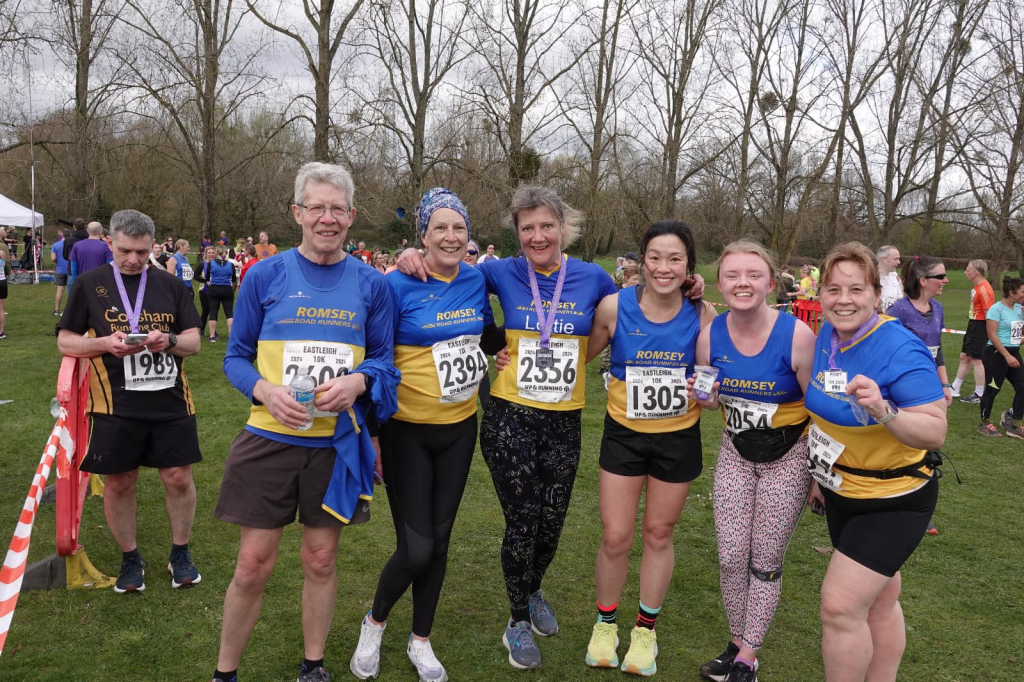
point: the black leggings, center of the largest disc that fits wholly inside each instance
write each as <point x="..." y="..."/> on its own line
<point x="204" y="314"/>
<point x="425" y="470"/>
<point x="221" y="294"/>
<point x="533" y="455"/>
<point x="996" y="371"/>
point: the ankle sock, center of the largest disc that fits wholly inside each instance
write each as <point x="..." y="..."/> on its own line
<point x="606" y="614"/>
<point x="979" y="390"/>
<point x="749" y="664"/>
<point x="647" y="617"/>
<point x="957" y="383"/>
<point x="308" y="665"/>
<point x="230" y="676"/>
<point x="176" y="548"/>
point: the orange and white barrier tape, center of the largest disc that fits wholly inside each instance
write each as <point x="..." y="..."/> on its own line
<point x="60" y="447"/>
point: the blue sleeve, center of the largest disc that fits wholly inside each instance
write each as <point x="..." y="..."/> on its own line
<point x="108" y="256"/>
<point x="490" y="271"/>
<point x="994" y="313"/>
<point x="605" y="284"/>
<point x="245" y="333"/>
<point x="391" y="279"/>
<point x="380" y="317"/>
<point x="74" y="271"/>
<point x="911" y="375"/>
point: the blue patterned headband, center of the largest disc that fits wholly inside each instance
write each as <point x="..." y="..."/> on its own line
<point x="439" y="197"/>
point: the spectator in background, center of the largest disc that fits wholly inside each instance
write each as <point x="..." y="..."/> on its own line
<point x="204" y="242"/>
<point x="157" y="256"/>
<point x="89" y="254"/>
<point x="982" y="298"/>
<point x="265" y="249"/>
<point x="488" y="256"/>
<point x="6" y="243"/>
<point x="78" y="234"/>
<point x="627" y="259"/>
<point x="472" y="254"/>
<point x="380" y="261"/>
<point x="180" y="267"/>
<point x="169" y="245"/>
<point x="250" y="259"/>
<point x="4" y="256"/>
<point x="223" y="238"/>
<point x="808" y="287"/>
<point x="892" y="288"/>
<point x="362" y="254"/>
<point x="786" y="288"/>
<point x="60" y="266"/>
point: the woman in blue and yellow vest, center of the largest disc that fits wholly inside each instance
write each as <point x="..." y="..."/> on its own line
<point x="878" y="416"/>
<point x="763" y="358"/>
<point x="651" y="435"/>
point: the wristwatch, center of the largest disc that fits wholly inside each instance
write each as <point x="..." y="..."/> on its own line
<point x="890" y="413"/>
<point x="172" y="341"/>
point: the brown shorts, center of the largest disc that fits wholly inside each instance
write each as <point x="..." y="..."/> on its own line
<point x="266" y="481"/>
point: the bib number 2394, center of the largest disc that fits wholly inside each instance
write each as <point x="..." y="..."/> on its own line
<point x="322" y="360"/>
<point x="461" y="366"/>
<point x="655" y="392"/>
<point x="547" y="384"/>
<point x="148" y="371"/>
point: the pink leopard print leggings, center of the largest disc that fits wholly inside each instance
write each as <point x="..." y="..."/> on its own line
<point x="757" y="508"/>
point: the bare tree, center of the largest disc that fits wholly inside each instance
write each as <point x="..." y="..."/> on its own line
<point x="329" y="27"/>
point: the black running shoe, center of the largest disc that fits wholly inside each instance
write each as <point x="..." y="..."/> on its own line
<point x="741" y="672"/>
<point x="182" y="569"/>
<point x="718" y="669"/>
<point x="131" y="575"/>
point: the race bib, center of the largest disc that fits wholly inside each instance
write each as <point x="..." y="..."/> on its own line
<point x="1016" y="332"/>
<point x="461" y="366"/>
<point x="742" y="414"/>
<point x="823" y="452"/>
<point x="835" y="381"/>
<point x="887" y="303"/>
<point x="187" y="273"/>
<point x="148" y="371"/>
<point x="322" y="360"/>
<point x="547" y="384"/>
<point x="655" y="392"/>
<point x="934" y="350"/>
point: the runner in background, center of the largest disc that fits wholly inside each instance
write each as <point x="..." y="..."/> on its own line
<point x="221" y="293"/>
<point x="764" y="358"/>
<point x="202" y="275"/>
<point x="60" y="266"/>
<point x="182" y="269"/>
<point x="1005" y="326"/>
<point x="807" y="290"/>
<point x="892" y="287"/>
<point x="651" y="435"/>
<point x="4" y="269"/>
<point x="982" y="298"/>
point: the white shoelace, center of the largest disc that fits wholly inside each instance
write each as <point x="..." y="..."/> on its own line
<point x="422" y="656"/>
<point x="369" y="640"/>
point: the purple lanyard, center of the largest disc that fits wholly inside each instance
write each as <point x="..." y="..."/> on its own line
<point x="545" y="325"/>
<point x="132" y="313"/>
<point x="837" y="346"/>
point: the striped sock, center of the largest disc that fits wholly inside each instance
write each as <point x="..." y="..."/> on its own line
<point x="606" y="614"/>
<point x="646" y="617"/>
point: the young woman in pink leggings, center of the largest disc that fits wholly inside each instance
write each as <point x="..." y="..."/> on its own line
<point x="764" y="362"/>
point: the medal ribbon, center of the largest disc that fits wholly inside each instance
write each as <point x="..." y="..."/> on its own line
<point x="132" y="313"/>
<point x="545" y="325"/>
<point x="837" y="346"/>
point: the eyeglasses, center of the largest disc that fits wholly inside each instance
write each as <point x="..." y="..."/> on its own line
<point x="337" y="212"/>
<point x="940" y="275"/>
<point x="472" y="253"/>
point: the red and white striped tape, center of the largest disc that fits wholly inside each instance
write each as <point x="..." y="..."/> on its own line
<point x="59" y="446"/>
<point x="780" y="305"/>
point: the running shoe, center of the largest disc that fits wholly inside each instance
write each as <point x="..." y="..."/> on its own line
<point x="601" y="652"/>
<point x="130" y="579"/>
<point x="422" y="656"/>
<point x="182" y="569"/>
<point x="56" y="313"/>
<point x="213" y="339"/>
<point x="718" y="669"/>
<point x="741" y="672"/>
<point x="314" y="675"/>
<point x="931" y="530"/>
<point x="1006" y="423"/>
<point x="365" y="663"/>
<point x="542" y="617"/>
<point x="971" y="398"/>
<point x="522" y="650"/>
<point x="3" y="336"/>
<point x="1015" y="432"/>
<point x="643" y="649"/>
<point x="989" y="429"/>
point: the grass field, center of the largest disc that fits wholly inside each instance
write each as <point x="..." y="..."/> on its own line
<point x="963" y="591"/>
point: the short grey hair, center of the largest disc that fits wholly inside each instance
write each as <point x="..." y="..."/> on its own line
<point x="529" y="197"/>
<point x="883" y="251"/>
<point x="94" y="229"/>
<point x="316" y="171"/>
<point x="132" y="223"/>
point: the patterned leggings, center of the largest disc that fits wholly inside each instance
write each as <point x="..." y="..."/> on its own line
<point x="757" y="508"/>
<point x="532" y="454"/>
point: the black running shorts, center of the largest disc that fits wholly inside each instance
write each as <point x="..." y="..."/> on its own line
<point x="975" y="339"/>
<point x="673" y="457"/>
<point x="120" y="445"/>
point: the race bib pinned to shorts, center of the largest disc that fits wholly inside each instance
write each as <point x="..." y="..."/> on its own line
<point x="822" y="453"/>
<point x="742" y="414"/>
<point x="547" y="384"/>
<point x="835" y="381"/>
<point x="655" y="392"/>
<point x="1016" y="332"/>
<point x="461" y="366"/>
<point x="148" y="371"/>
<point x="322" y="360"/>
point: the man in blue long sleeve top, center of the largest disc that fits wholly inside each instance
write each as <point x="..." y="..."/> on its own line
<point x="311" y="310"/>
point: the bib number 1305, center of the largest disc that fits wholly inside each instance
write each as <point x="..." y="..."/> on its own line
<point x="547" y="384"/>
<point x="655" y="392"/>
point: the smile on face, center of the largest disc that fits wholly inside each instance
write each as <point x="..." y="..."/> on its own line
<point x="744" y="280"/>
<point x="540" y="236"/>
<point x="665" y="264"/>
<point x="848" y="300"/>
<point x="446" y="239"/>
<point x="323" y="238"/>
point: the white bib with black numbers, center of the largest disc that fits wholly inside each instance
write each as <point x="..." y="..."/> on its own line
<point x="1016" y="332"/>
<point x="148" y="371"/>
<point x="322" y="360"/>
<point x="742" y="414"/>
<point x="655" y="392"/>
<point x="547" y="384"/>
<point x="461" y="366"/>
<point x="823" y="452"/>
<point x="187" y="274"/>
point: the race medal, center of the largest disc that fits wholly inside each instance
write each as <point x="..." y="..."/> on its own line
<point x="1016" y="332"/>
<point x="655" y="392"/>
<point x="547" y="384"/>
<point x="461" y="366"/>
<point x="148" y="371"/>
<point x="705" y="380"/>
<point x="742" y="414"/>
<point x="322" y="360"/>
<point x="822" y="453"/>
<point x="835" y="381"/>
<point x="545" y="358"/>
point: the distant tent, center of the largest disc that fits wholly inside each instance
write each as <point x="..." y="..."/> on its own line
<point x="17" y="215"/>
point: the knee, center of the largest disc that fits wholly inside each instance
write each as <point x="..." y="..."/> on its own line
<point x="839" y="610"/>
<point x="617" y="542"/>
<point x="119" y="484"/>
<point x="252" y="572"/>
<point x="177" y="479"/>
<point x="658" y="537"/>
<point x="318" y="563"/>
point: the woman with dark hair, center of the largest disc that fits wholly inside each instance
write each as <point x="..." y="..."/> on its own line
<point x="222" y="281"/>
<point x="878" y="418"/>
<point x="202" y="274"/>
<point x="1001" y="357"/>
<point x="651" y="435"/>
<point x="250" y="259"/>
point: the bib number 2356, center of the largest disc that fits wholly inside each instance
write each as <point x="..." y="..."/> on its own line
<point x="547" y="384"/>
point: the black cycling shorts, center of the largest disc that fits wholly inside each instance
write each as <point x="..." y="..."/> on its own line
<point x="673" y="457"/>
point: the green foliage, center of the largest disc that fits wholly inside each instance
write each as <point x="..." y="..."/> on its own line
<point x="509" y="243"/>
<point x="942" y="240"/>
<point x="392" y="234"/>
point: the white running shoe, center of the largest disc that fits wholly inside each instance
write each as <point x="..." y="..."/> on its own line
<point x="365" y="663"/>
<point x="421" y="654"/>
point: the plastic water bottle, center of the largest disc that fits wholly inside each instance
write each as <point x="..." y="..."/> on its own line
<point x="302" y="387"/>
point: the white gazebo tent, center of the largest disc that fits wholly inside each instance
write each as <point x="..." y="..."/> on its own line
<point x="16" y="215"/>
